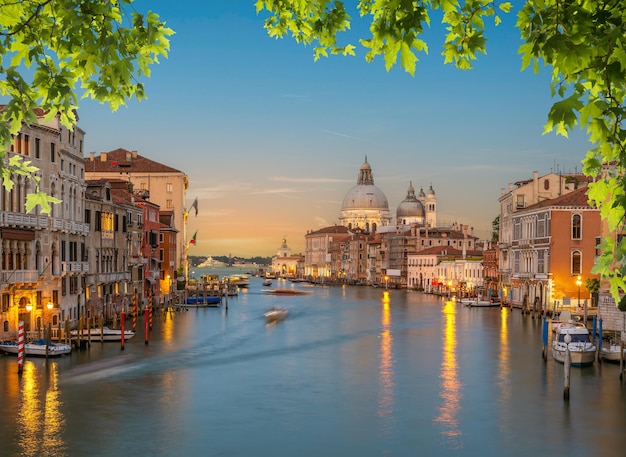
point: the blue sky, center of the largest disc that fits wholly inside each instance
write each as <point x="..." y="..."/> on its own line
<point x="272" y="141"/>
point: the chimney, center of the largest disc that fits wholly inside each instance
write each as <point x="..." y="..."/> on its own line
<point x="103" y="157"/>
<point x="134" y="154"/>
<point x="92" y="156"/>
<point x="129" y="156"/>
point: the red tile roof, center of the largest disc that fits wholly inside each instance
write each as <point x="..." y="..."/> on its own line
<point x="118" y="161"/>
<point x="576" y="198"/>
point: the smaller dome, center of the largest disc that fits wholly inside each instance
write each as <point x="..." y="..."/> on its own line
<point x="422" y="194"/>
<point x="431" y="192"/>
<point x="410" y="207"/>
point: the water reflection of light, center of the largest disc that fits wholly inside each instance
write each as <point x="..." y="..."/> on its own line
<point x="168" y="327"/>
<point x="385" y="375"/>
<point x="39" y="418"/>
<point x="504" y="365"/>
<point x="450" y="385"/>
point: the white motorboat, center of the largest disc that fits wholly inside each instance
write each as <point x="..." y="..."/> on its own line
<point x="37" y="348"/>
<point x="613" y="353"/>
<point x="582" y="350"/>
<point x="563" y="317"/>
<point x="267" y="282"/>
<point x="102" y="334"/>
<point x="275" y="314"/>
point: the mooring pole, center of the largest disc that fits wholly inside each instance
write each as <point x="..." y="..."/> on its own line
<point x="567" y="367"/>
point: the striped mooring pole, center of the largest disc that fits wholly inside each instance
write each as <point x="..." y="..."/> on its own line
<point x="20" y="347"/>
<point x="134" y="312"/>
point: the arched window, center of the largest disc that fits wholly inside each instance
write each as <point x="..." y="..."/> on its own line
<point x="576" y="263"/>
<point x="576" y="227"/>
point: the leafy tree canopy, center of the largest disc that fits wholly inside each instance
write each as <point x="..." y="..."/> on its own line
<point x="583" y="42"/>
<point x="53" y="50"/>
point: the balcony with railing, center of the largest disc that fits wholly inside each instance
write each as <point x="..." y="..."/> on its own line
<point x="112" y="277"/>
<point x="19" y="276"/>
<point x="70" y="226"/>
<point x="21" y="220"/>
<point x="74" y="267"/>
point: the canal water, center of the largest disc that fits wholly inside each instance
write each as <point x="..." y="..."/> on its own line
<point x="351" y="372"/>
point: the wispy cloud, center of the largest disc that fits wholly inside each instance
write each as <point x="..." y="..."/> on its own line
<point x="305" y="98"/>
<point x="278" y="190"/>
<point x="321" y="222"/>
<point x="332" y="132"/>
<point x="309" y="180"/>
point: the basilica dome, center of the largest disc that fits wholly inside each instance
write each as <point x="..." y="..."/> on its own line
<point x="410" y="210"/>
<point x="365" y="205"/>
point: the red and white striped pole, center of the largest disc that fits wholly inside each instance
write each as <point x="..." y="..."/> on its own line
<point x="20" y="347"/>
<point x="134" y="312"/>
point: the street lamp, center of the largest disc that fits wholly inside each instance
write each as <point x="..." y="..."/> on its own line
<point x="386" y="282"/>
<point x="29" y="308"/>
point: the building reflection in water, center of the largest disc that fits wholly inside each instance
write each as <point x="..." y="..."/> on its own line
<point x="39" y="418"/>
<point x="385" y="371"/>
<point x="450" y="385"/>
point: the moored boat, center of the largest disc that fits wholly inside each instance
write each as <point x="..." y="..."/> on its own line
<point x="200" y="301"/>
<point x="102" y="334"/>
<point x="37" y="348"/>
<point x="239" y="280"/>
<point x="267" y="282"/>
<point x="612" y="353"/>
<point x="582" y="350"/>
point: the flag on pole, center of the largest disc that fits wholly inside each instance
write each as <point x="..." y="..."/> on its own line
<point x="194" y="205"/>
<point x="193" y="240"/>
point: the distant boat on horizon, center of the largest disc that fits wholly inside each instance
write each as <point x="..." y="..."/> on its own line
<point x="211" y="262"/>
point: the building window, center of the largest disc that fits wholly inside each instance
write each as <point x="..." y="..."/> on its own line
<point x="516" y="262"/>
<point x="169" y="204"/>
<point x="53" y="152"/>
<point x="576" y="263"/>
<point x="37" y="148"/>
<point x="540" y="262"/>
<point x="576" y="227"/>
<point x="169" y="188"/>
<point x="546" y="184"/>
<point x="519" y="199"/>
<point x="541" y="226"/>
<point x="517" y="229"/>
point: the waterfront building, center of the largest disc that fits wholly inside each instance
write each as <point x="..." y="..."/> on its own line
<point x="519" y="196"/>
<point x="160" y="184"/>
<point x="553" y="249"/>
<point x="490" y="266"/>
<point x="43" y="262"/>
<point x="450" y="257"/>
<point x="353" y="259"/>
<point x="167" y="254"/>
<point x="150" y="251"/>
<point x="319" y="244"/>
<point x="112" y="249"/>
<point x="284" y="263"/>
